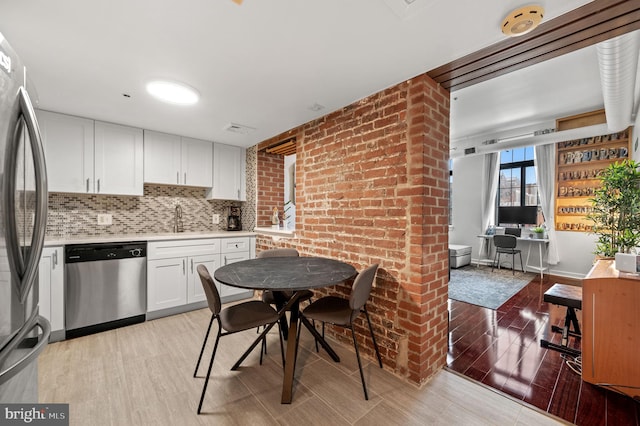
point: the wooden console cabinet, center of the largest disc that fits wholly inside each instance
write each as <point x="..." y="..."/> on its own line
<point x="611" y="328"/>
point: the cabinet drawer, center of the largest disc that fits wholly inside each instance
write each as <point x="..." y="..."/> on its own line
<point x="180" y="248"/>
<point x="235" y="245"/>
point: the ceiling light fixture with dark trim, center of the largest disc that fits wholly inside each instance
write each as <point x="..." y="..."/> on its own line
<point x="522" y="21"/>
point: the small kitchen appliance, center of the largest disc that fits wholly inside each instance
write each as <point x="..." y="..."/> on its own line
<point x="233" y="220"/>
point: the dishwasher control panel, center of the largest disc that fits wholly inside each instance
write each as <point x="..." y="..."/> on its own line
<point x="104" y="251"/>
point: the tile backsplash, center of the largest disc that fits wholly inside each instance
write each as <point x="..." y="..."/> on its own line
<point x="76" y="215"/>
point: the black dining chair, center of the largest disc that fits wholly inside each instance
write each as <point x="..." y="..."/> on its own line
<point x="280" y="298"/>
<point x="236" y="318"/>
<point x="506" y="244"/>
<point x="343" y="312"/>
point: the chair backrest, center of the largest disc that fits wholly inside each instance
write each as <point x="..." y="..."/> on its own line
<point x="361" y="289"/>
<point x="505" y="241"/>
<point x="210" y="290"/>
<point x="282" y="252"/>
<point x="513" y="231"/>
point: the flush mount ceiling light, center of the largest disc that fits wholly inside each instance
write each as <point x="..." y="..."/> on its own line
<point x="172" y="92"/>
<point x="522" y="20"/>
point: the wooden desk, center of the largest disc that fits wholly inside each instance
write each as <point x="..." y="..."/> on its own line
<point x="611" y="328"/>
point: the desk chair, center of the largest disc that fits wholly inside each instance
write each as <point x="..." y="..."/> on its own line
<point x="343" y="312"/>
<point x="506" y="244"/>
<point x="517" y="232"/>
<point x="240" y="317"/>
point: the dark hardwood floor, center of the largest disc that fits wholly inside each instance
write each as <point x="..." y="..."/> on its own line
<point x="501" y="349"/>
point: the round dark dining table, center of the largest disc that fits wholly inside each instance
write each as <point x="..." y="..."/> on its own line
<point x="281" y="274"/>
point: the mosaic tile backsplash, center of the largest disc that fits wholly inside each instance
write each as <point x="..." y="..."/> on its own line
<point x="75" y="215"/>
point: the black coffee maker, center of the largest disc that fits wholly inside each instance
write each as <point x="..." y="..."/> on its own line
<point x="233" y="220"/>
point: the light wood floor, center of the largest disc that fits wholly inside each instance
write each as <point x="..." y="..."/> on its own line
<point x="142" y="375"/>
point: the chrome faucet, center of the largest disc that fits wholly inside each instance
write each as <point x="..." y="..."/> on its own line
<point x="178" y="226"/>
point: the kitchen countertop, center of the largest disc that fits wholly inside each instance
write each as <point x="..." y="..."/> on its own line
<point x="58" y="241"/>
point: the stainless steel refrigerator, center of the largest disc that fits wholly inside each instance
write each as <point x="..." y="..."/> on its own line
<point x="23" y="215"/>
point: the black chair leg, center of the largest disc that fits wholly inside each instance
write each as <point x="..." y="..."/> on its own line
<point x="373" y="337"/>
<point x="521" y="264"/>
<point x="206" y="381"/>
<point x="513" y="263"/>
<point x="195" y="372"/>
<point x="355" y="345"/>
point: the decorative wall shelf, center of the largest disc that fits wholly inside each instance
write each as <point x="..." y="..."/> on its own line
<point x="579" y="163"/>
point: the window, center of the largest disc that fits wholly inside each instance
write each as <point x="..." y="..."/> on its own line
<point x="518" y="198"/>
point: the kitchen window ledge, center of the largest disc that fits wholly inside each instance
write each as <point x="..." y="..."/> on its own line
<point x="287" y="233"/>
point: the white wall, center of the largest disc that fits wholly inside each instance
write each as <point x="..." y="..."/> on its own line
<point x="467" y="213"/>
<point x="574" y="248"/>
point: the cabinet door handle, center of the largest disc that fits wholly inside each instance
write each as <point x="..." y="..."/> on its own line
<point x="55" y="260"/>
<point x="87" y="184"/>
<point x="185" y="178"/>
<point x="192" y="266"/>
<point x="183" y="267"/>
<point x="178" y="177"/>
<point x="225" y="260"/>
<point x="238" y="194"/>
<point x="98" y="186"/>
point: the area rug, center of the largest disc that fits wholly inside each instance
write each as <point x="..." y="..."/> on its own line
<point x="480" y="286"/>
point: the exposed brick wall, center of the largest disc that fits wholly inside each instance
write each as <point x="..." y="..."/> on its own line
<point x="270" y="186"/>
<point x="372" y="187"/>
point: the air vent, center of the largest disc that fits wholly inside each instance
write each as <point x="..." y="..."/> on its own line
<point x="490" y="142"/>
<point x="543" y="132"/>
<point x="471" y="150"/>
<point x="238" y="128"/>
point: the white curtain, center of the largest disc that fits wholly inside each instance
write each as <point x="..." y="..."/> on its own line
<point x="491" y="172"/>
<point x="545" y="161"/>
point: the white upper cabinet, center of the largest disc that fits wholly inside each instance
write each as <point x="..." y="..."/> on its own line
<point x="68" y="146"/>
<point x="161" y="158"/>
<point x="197" y="161"/>
<point x="91" y="157"/>
<point x="119" y="163"/>
<point x="228" y="173"/>
<point x="175" y="160"/>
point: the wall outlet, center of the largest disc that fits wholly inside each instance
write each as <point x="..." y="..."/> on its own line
<point x="215" y="219"/>
<point x="105" y="219"/>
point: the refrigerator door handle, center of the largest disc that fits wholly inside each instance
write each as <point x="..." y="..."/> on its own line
<point x="25" y="272"/>
<point x="35" y="321"/>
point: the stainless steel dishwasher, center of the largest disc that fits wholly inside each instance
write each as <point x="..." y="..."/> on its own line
<point x="106" y="286"/>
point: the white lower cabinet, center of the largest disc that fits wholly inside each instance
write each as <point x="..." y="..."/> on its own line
<point x="51" y="289"/>
<point x="166" y="283"/>
<point x="234" y="250"/>
<point x="172" y="278"/>
<point x="195" y="291"/>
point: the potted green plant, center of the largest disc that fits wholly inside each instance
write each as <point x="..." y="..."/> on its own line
<point x="616" y="209"/>
<point x="538" y="232"/>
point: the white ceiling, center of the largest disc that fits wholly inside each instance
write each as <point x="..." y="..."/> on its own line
<point x="265" y="63"/>
<point x="530" y="97"/>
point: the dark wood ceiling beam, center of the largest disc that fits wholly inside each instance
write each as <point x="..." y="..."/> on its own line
<point x="555" y="33"/>
<point x="569" y="44"/>
<point x="582" y="27"/>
